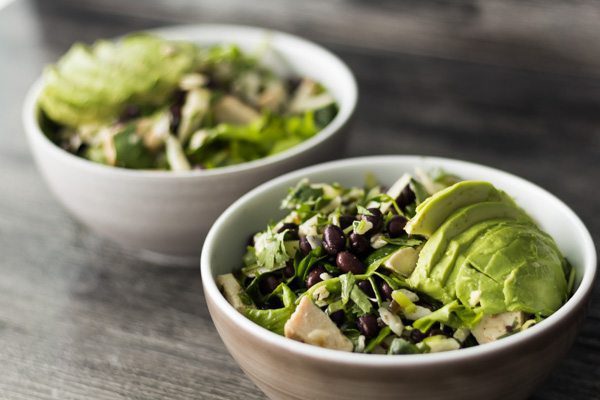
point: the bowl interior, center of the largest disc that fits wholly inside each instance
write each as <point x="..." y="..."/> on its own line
<point x="224" y="246"/>
<point x="291" y="54"/>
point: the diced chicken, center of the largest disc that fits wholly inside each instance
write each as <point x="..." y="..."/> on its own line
<point x="231" y="110"/>
<point x="310" y="325"/>
<point x="403" y="261"/>
<point x="194" y="109"/>
<point x="492" y="327"/>
<point x="231" y="289"/>
<point x="273" y="96"/>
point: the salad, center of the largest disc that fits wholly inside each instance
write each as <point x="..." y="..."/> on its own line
<point x="149" y="103"/>
<point x="432" y="263"/>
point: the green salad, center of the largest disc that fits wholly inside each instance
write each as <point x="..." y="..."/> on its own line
<point x="432" y="263"/>
<point x="144" y="102"/>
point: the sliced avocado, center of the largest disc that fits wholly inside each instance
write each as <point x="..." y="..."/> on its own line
<point x="457" y="246"/>
<point x="489" y="297"/>
<point x="526" y="262"/>
<point x="91" y="85"/>
<point x="432" y="213"/>
<point x="437" y="245"/>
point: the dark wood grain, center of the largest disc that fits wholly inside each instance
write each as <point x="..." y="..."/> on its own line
<point x="512" y="84"/>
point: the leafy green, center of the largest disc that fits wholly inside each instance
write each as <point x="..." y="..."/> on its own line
<point x="308" y="261"/>
<point x="403" y="241"/>
<point x="275" y="319"/>
<point x="302" y="194"/>
<point x="378" y="257"/>
<point x="347" y="281"/>
<point x="383" y="333"/>
<point x="361" y="300"/>
<point x="130" y="151"/>
<point x="270" y="250"/>
<point x="452" y="314"/>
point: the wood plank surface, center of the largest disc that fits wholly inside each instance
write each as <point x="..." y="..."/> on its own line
<point x="512" y="84"/>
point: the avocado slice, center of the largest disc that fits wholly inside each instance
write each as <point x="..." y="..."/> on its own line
<point x="432" y="213"/>
<point x="437" y="246"/>
<point x="526" y="263"/>
<point x="91" y="85"/>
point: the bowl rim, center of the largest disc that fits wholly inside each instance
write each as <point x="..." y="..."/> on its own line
<point x="375" y="360"/>
<point x="347" y="107"/>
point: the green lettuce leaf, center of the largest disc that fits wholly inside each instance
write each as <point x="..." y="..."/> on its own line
<point x="275" y="319"/>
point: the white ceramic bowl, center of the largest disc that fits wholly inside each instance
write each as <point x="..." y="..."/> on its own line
<point x="170" y="212"/>
<point x="510" y="368"/>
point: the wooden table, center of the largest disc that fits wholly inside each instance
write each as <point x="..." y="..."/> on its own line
<point x="511" y="84"/>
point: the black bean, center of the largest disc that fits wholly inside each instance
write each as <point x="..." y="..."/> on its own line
<point x="367" y="325"/>
<point x="334" y="240"/>
<point x="268" y="283"/>
<point x="359" y="244"/>
<point x="289" y="226"/>
<point x="314" y="276"/>
<point x="337" y="317"/>
<point x="347" y="262"/>
<point x="385" y="290"/>
<point x="406" y="197"/>
<point x="366" y="287"/>
<point x="376" y="219"/>
<point x="305" y="246"/>
<point x="289" y="270"/>
<point x="291" y="235"/>
<point x="396" y="226"/>
<point x="346" y="221"/>
<point x="416" y="336"/>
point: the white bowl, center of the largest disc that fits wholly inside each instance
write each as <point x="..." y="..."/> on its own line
<point x="510" y="368"/>
<point x="170" y="212"/>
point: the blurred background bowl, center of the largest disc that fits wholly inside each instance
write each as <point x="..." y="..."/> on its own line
<point x="166" y="213"/>
<point x="510" y="368"/>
